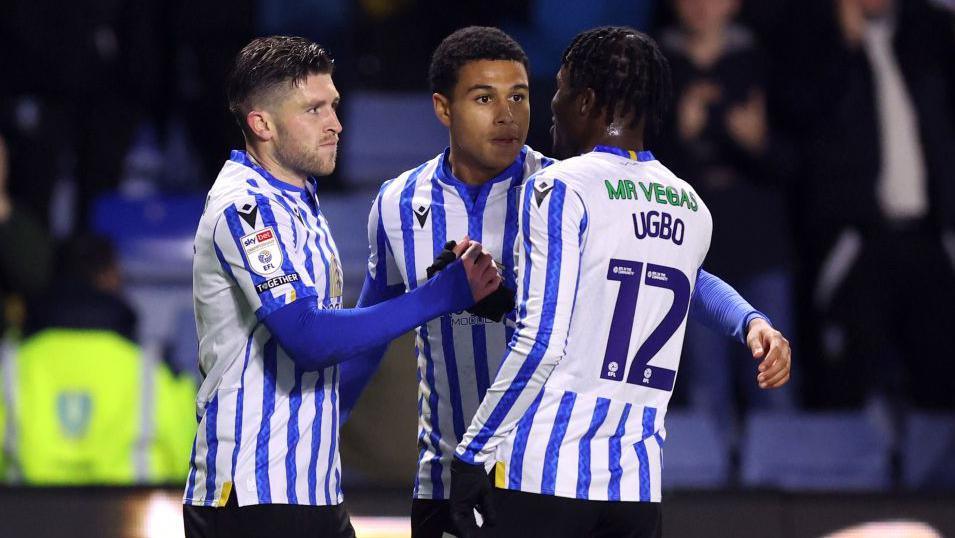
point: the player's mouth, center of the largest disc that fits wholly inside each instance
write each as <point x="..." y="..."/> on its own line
<point x="505" y="141"/>
<point x="328" y="143"/>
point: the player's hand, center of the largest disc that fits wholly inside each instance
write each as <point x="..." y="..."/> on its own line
<point x="470" y="489"/>
<point x="447" y="256"/>
<point x="480" y="269"/>
<point x="771" y="346"/>
<point x="496" y="305"/>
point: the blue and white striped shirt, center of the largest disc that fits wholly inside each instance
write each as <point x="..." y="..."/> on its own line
<point x="267" y="430"/>
<point x="458" y="354"/>
<point x="610" y="246"/>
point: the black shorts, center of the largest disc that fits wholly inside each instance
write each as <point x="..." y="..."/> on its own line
<point x="431" y="518"/>
<point x="521" y="515"/>
<point x="257" y="521"/>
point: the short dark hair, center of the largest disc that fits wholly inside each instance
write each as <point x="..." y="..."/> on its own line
<point x="467" y="45"/>
<point x="269" y="61"/>
<point x="625" y="69"/>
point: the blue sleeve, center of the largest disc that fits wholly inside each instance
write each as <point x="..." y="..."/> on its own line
<point x="316" y="338"/>
<point x="356" y="373"/>
<point x="720" y="308"/>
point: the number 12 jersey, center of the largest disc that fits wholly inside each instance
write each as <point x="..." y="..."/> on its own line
<point x="608" y="249"/>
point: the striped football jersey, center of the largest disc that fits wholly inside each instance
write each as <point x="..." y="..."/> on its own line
<point x="267" y="430"/>
<point x="457" y="354"/>
<point x="609" y="250"/>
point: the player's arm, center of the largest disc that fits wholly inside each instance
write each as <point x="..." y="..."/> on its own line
<point x="285" y="299"/>
<point x="382" y="282"/>
<point x="718" y="306"/>
<point x="551" y="226"/>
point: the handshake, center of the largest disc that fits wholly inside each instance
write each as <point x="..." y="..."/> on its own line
<point x="492" y="298"/>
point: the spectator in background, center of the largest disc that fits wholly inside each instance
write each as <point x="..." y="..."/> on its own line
<point x="873" y="93"/>
<point x="25" y="261"/>
<point x="84" y="404"/>
<point x="718" y="137"/>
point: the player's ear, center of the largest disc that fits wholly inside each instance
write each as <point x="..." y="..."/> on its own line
<point x="260" y="124"/>
<point x="585" y="102"/>
<point x="442" y="108"/>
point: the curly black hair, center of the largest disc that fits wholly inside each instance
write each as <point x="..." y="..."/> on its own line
<point x="269" y="61"/>
<point x="625" y="69"/>
<point x="466" y="45"/>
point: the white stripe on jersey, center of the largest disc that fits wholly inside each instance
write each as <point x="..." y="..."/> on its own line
<point x="578" y="406"/>
<point x="458" y="355"/>
<point x="267" y="430"/>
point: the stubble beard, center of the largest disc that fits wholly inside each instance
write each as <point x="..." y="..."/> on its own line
<point x="307" y="161"/>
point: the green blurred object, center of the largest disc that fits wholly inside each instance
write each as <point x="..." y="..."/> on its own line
<point x="87" y="407"/>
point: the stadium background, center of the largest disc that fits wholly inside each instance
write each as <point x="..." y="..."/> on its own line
<point x="114" y="119"/>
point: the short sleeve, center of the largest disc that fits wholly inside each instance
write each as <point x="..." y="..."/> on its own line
<point x="262" y="248"/>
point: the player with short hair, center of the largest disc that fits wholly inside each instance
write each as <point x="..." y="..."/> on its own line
<point x="267" y="288"/>
<point x="575" y="416"/>
<point x="479" y="79"/>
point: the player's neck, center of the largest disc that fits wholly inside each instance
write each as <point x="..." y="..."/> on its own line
<point x="272" y="166"/>
<point x="617" y="134"/>
<point x="468" y="172"/>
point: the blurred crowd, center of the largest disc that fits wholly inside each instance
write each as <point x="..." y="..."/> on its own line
<point x="819" y="133"/>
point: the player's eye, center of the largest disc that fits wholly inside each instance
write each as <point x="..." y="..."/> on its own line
<point x="484" y="99"/>
<point x="518" y="97"/>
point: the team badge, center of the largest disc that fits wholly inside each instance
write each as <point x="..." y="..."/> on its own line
<point x="262" y="251"/>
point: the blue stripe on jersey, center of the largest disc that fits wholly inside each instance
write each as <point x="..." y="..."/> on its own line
<point x="649" y="415"/>
<point x="268" y="407"/>
<point x="421" y="447"/>
<point x="583" y="460"/>
<point x="294" y="403"/>
<point x="191" y="482"/>
<point x="309" y="264"/>
<point x="439" y="234"/>
<point x="268" y="218"/>
<point x="434" y="436"/>
<point x="381" y="267"/>
<point x="552" y="454"/>
<point x="407" y="231"/>
<point x="284" y="203"/>
<point x="507" y="249"/>
<point x="551" y="289"/>
<point x="616" y="471"/>
<point x="515" y="474"/>
<point x="239" y="404"/>
<point x="324" y="235"/>
<point x="334" y="433"/>
<point x="269" y="303"/>
<point x="222" y="263"/>
<point x="316" y="439"/>
<point x="212" y="444"/>
<point x="478" y="332"/>
<point x="546" y="161"/>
